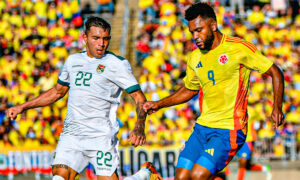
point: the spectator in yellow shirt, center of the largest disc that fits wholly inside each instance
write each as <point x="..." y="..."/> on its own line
<point x="40" y="8"/>
<point x="27" y="6"/>
<point x="15" y="18"/>
<point x="52" y="14"/>
<point x="256" y="16"/>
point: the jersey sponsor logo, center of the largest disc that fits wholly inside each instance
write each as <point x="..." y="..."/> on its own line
<point x="210" y="151"/>
<point x="223" y="59"/>
<point x="100" y="68"/>
<point x="199" y="65"/>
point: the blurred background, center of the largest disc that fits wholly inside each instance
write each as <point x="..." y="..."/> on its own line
<point x="37" y="36"/>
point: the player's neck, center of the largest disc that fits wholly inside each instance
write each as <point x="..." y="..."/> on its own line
<point x="218" y="38"/>
<point x="89" y="54"/>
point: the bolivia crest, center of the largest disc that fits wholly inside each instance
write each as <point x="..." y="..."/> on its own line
<point x="223" y="59"/>
<point x="100" y="68"/>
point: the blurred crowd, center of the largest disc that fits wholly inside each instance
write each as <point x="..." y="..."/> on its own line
<point x="35" y="39"/>
<point x="37" y="36"/>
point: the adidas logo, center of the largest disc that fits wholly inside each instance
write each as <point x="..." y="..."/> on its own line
<point x="210" y="151"/>
<point x="199" y="65"/>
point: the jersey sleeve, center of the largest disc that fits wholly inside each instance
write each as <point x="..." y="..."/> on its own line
<point x="64" y="76"/>
<point x="191" y="80"/>
<point x="125" y="79"/>
<point x="255" y="60"/>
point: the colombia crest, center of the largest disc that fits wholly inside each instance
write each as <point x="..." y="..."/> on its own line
<point x="223" y="59"/>
<point x="100" y="68"/>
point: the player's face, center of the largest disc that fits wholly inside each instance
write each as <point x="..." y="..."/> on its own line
<point x="97" y="41"/>
<point x="202" y="32"/>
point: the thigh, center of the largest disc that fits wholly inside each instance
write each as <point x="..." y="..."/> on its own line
<point x="200" y="172"/>
<point x="182" y="174"/>
<point x="114" y="176"/>
<point x="64" y="171"/>
<point x="68" y="155"/>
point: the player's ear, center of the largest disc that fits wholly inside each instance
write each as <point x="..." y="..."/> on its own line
<point x="214" y="25"/>
<point x="85" y="36"/>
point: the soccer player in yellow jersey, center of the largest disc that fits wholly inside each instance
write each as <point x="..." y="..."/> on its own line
<point x="221" y="66"/>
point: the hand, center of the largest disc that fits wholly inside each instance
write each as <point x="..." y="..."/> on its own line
<point x="14" y="111"/>
<point x="137" y="136"/>
<point x="277" y="117"/>
<point x="151" y="107"/>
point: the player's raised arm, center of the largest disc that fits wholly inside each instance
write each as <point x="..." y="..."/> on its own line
<point x="278" y="88"/>
<point x="179" y="97"/>
<point x="137" y="136"/>
<point x="46" y="98"/>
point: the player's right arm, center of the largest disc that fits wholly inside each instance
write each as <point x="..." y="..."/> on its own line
<point x="278" y="88"/>
<point x="181" y="96"/>
<point x="46" y="98"/>
<point x="256" y="61"/>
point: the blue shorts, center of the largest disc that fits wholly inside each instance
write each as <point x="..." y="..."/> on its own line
<point x="246" y="151"/>
<point x="211" y="148"/>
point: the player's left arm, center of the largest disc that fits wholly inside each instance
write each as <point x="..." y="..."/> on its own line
<point x="278" y="88"/>
<point x="137" y="136"/>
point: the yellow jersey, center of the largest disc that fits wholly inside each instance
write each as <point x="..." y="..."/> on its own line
<point x="223" y="74"/>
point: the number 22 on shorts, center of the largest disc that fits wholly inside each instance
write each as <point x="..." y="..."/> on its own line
<point x="104" y="158"/>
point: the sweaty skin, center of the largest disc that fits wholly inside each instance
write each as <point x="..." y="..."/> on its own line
<point x="97" y="40"/>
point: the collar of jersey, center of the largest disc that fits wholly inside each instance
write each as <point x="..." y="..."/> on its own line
<point x="221" y="43"/>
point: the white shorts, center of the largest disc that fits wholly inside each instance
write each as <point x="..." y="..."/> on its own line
<point x="77" y="151"/>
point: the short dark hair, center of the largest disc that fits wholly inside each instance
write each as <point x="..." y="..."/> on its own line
<point x="200" y="9"/>
<point x="96" y="21"/>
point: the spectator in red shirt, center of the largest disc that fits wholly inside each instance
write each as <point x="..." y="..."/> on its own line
<point x="142" y="48"/>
